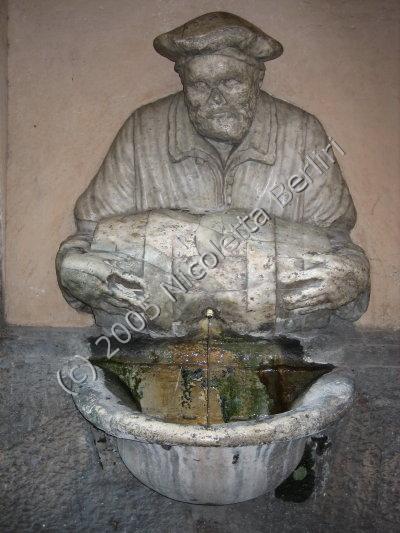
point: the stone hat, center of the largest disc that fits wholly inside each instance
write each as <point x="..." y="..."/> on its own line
<point x="218" y="33"/>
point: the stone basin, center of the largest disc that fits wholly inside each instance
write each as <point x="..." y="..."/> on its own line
<point x="213" y="423"/>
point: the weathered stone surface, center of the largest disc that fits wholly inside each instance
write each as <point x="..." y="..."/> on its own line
<point x="180" y="264"/>
<point x="106" y="404"/>
<point x="221" y="145"/>
<point x="214" y="463"/>
<point x="206" y="475"/>
<point x="59" y="474"/>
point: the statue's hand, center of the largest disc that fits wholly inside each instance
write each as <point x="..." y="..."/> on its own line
<point x="333" y="280"/>
<point x="101" y="280"/>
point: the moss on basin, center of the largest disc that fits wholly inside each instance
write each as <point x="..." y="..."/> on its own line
<point x="229" y="380"/>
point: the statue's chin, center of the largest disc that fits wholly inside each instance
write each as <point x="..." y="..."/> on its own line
<point x="231" y="131"/>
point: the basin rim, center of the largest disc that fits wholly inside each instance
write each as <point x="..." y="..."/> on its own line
<point x="105" y="403"/>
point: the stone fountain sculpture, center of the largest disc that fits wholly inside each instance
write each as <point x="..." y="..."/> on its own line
<point x="218" y="211"/>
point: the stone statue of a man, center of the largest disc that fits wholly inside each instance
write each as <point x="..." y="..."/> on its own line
<point x="219" y="145"/>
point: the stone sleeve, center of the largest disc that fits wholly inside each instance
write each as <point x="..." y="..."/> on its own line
<point x="327" y="199"/>
<point x="112" y="190"/>
<point x="328" y="203"/>
<point x="78" y="243"/>
<point x="342" y="245"/>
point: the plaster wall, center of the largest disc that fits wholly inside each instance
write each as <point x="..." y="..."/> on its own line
<point x="3" y="138"/>
<point x="77" y="69"/>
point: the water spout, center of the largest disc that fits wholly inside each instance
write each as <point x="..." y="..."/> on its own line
<point x="209" y="316"/>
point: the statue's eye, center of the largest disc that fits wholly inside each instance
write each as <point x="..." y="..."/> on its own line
<point x="230" y="83"/>
<point x="199" y="85"/>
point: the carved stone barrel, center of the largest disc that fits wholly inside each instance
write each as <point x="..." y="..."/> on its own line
<point x="229" y="262"/>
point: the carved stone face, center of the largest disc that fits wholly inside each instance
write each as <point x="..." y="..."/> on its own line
<point x="221" y="95"/>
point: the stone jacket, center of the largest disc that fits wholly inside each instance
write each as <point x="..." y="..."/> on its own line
<point x="158" y="160"/>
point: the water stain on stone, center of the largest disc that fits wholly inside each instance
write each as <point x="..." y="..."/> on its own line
<point x="322" y="444"/>
<point x="285" y="382"/>
<point x="235" y="380"/>
<point x="299" y="486"/>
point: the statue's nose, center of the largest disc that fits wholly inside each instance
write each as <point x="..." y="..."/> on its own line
<point x="216" y="97"/>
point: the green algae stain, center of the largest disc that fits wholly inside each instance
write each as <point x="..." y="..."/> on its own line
<point x="300" y="473"/>
<point x="241" y="395"/>
<point x="130" y="375"/>
<point x="247" y="379"/>
<point x="189" y="377"/>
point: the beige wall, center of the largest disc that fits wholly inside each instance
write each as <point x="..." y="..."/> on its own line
<point x="3" y="136"/>
<point x="77" y="68"/>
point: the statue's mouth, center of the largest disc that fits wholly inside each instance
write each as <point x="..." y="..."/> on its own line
<point x="219" y="114"/>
